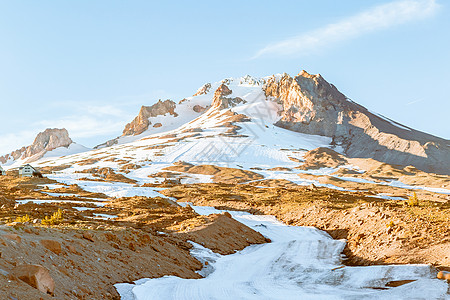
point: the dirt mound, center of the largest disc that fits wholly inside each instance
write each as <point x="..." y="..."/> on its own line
<point x="280" y="169"/>
<point x="322" y="158"/>
<point x="273" y="183"/>
<point x="231" y="175"/>
<point x="378" y="171"/>
<point x="220" y="174"/>
<point x="215" y="227"/>
<point x="204" y="169"/>
<point x="427" y="179"/>
<point x="156" y="212"/>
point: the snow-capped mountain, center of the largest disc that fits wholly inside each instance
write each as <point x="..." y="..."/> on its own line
<point x="252" y="123"/>
<point x="52" y="142"/>
<point x="305" y="103"/>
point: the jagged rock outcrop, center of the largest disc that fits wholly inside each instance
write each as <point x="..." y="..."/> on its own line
<point x="311" y="105"/>
<point x="141" y="122"/>
<point x="220" y="101"/>
<point x="45" y="141"/>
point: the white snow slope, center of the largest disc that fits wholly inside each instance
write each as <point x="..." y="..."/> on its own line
<point x="299" y="263"/>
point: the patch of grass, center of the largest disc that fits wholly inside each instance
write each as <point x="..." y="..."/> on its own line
<point x="55" y="219"/>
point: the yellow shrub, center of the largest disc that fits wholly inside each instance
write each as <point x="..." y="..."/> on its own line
<point x="23" y="219"/>
<point x="413" y="200"/>
<point x="55" y="219"/>
<point x="390" y="224"/>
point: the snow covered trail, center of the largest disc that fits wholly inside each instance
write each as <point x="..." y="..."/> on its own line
<point x="300" y="263"/>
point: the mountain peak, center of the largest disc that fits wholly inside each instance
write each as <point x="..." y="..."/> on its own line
<point x="46" y="141"/>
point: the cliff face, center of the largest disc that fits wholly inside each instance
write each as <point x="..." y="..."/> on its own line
<point x="45" y="141"/>
<point x="141" y="122"/>
<point x="311" y="105"/>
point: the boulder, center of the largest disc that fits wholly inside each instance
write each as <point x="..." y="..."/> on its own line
<point x="35" y="275"/>
<point x="227" y="214"/>
<point x="88" y="236"/>
<point x="52" y="245"/>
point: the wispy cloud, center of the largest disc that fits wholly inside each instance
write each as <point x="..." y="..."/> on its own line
<point x="377" y="18"/>
<point x="414" y="102"/>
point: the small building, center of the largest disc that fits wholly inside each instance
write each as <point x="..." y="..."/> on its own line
<point x="2" y="172"/>
<point x="28" y="171"/>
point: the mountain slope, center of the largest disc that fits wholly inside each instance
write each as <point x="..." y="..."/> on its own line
<point x="313" y="106"/>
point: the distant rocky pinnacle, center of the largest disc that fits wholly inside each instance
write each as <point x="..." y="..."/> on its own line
<point x="45" y="141"/>
<point x="311" y="105"/>
<point x="141" y="122"/>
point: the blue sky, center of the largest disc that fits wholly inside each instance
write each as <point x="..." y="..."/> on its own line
<point x="89" y="65"/>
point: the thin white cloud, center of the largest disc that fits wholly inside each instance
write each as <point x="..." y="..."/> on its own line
<point x="414" y="102"/>
<point x="378" y="18"/>
<point x="104" y="110"/>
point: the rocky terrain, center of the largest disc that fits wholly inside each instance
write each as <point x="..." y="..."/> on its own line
<point x="83" y="255"/>
<point x="292" y="147"/>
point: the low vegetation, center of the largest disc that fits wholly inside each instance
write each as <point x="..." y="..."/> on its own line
<point x="413" y="200"/>
<point x="55" y="219"/>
